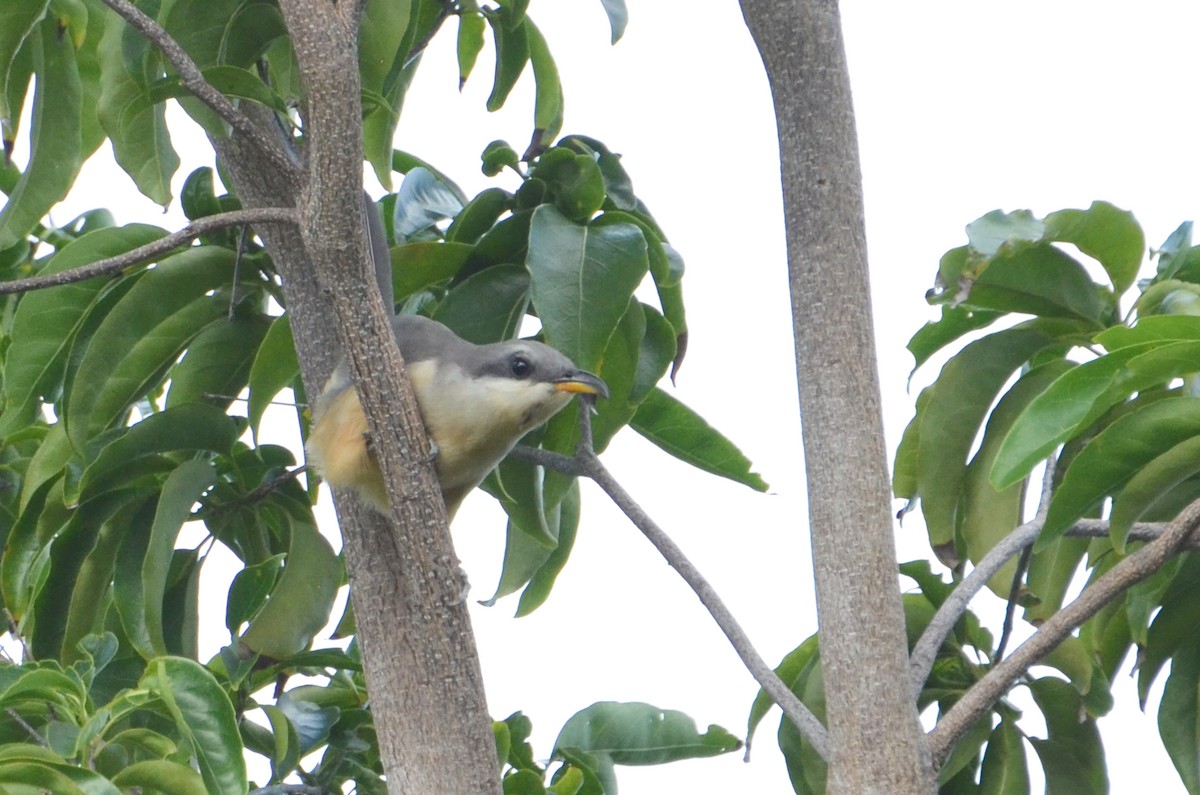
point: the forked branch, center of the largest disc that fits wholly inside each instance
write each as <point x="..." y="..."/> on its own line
<point x="150" y="251"/>
<point x="586" y="463"/>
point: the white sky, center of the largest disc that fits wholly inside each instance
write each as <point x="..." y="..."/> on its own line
<point x="962" y="108"/>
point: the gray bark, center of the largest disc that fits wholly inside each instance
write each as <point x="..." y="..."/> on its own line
<point x="407" y="591"/>
<point x="876" y="743"/>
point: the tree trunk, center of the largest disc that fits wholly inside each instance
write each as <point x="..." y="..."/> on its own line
<point x="418" y="649"/>
<point x="875" y="738"/>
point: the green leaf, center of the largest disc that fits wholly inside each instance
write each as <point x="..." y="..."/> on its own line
<point x="792" y="665"/>
<point x="217" y="364"/>
<point x="548" y="100"/>
<point x="190" y="427"/>
<point x="1005" y="769"/>
<point x="487" y="306"/>
<point x="1151" y="484"/>
<point x="470" y="42"/>
<point x="56" y="145"/>
<point x="1040" y="280"/>
<point x="163" y="775"/>
<point x="479" y="215"/>
<point x="1084" y="395"/>
<point x="575" y="181"/>
<point x="249" y="591"/>
<point x="954" y="410"/>
<point x="180" y="492"/>
<point x="583" y="278"/>
<point x="45" y="321"/>
<point x="988" y="514"/>
<point x="684" y="434"/>
<point x="542" y="579"/>
<point x="1072" y="755"/>
<point x="204" y="715"/>
<point x="275" y="368"/>
<point x="141" y="144"/>
<point x="1179" y="714"/>
<point x="639" y="734"/>
<point x="1105" y="233"/>
<point x="1118" y="452"/>
<point x="418" y="266"/>
<point x="143" y="334"/>
<point x="954" y="323"/>
<point x="302" y="598"/>
<point x="1051" y="571"/>
<point x="17" y="21"/>
<point x="990" y="233"/>
<point x="1174" y="624"/>
<point x="512" y="53"/>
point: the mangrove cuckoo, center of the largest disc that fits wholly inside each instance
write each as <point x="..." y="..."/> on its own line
<point x="477" y="402"/>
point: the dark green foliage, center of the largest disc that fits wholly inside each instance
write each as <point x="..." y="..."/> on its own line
<point x="1108" y="389"/>
<point x="132" y="405"/>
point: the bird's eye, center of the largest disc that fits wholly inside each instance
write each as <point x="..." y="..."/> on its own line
<point x="520" y="366"/>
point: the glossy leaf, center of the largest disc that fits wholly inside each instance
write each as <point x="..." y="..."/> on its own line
<point x="684" y="434"/>
<point x="302" y="598"/>
<point x="954" y="411"/>
<point x="424" y="199"/>
<point x="988" y="514"/>
<point x="576" y="182"/>
<point x="275" y="368"/>
<point x="56" y="144"/>
<point x="46" y="319"/>
<point x="541" y="581"/>
<point x="1115" y="455"/>
<point x="141" y="143"/>
<point x="163" y="775"/>
<point x="418" y="266"/>
<point x="204" y="715"/>
<point x="1109" y="235"/>
<point x="548" y="99"/>
<point x="1005" y="770"/>
<point x="180" y="492"/>
<point x="512" y="53"/>
<point x="583" y="278"/>
<point x="639" y="734"/>
<point x="217" y="364"/>
<point x="190" y="427"/>
<point x="143" y="334"/>
<point x="17" y="21"/>
<point x="1179" y="714"/>
<point x="1084" y="396"/>
<point x="471" y="26"/>
<point x="1150" y="484"/>
<point x="488" y="306"/>
<point x="955" y="322"/>
<point x="1072" y="755"/>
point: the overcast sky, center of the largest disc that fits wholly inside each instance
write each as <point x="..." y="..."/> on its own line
<point x="962" y="108"/>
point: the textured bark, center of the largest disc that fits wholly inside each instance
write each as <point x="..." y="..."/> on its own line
<point x="875" y="740"/>
<point x="418" y="649"/>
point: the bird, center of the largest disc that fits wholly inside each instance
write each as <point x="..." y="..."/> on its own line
<point x="476" y="401"/>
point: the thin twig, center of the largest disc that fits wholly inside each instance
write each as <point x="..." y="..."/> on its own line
<point x="32" y="732"/>
<point x="1130" y="571"/>
<point x="193" y="79"/>
<point x="586" y="463"/>
<point x="925" y="651"/>
<point x="1010" y="609"/>
<point x="110" y="265"/>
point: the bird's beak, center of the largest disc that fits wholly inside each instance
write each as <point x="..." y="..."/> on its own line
<point x="582" y="383"/>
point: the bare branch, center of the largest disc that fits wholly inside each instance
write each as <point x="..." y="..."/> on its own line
<point x="925" y="652"/>
<point x="193" y="79"/>
<point x="150" y="251"/>
<point x="586" y="463"/>
<point x="1130" y="571"/>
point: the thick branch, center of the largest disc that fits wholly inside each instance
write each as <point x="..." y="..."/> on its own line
<point x="1129" y="572"/>
<point x="193" y="80"/>
<point x="150" y="251"/>
<point x="586" y="463"/>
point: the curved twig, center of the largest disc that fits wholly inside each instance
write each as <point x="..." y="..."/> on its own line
<point x="586" y="463"/>
<point x="193" y="80"/>
<point x="1130" y="571"/>
<point x="110" y="265"/>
